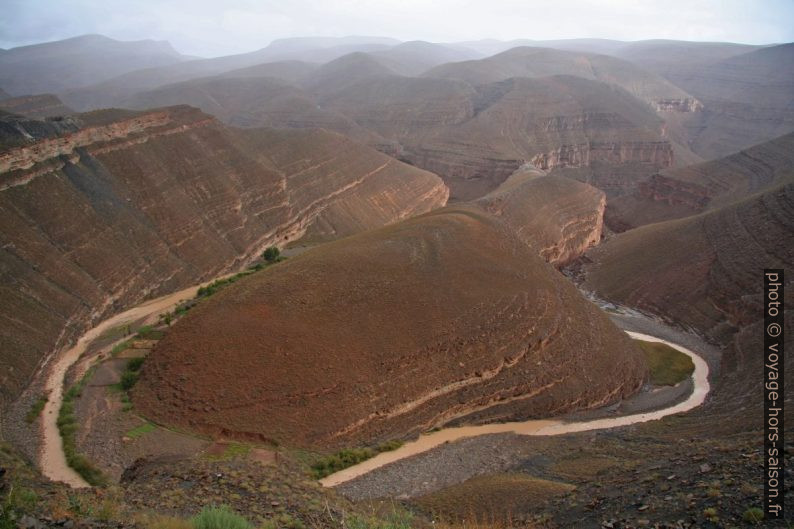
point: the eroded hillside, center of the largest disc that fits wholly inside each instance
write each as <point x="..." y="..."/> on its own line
<point x="444" y="317"/>
<point x="100" y="211"/>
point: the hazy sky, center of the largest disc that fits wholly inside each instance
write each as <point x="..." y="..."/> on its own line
<point x="219" y="27"/>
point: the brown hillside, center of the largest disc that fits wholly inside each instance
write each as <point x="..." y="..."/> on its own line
<point x="705" y="270"/>
<point x="541" y="62"/>
<point x="253" y="101"/>
<point x="705" y="273"/>
<point x="444" y="317"/>
<point x="475" y="139"/>
<point x="747" y="98"/>
<point x="558" y="216"/>
<point x="107" y="208"/>
<point x="684" y="191"/>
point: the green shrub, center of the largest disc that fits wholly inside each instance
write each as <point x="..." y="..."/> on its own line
<point x="134" y="364"/>
<point x="148" y="333"/>
<point x="221" y="517"/>
<point x="271" y="254"/>
<point x="349" y="457"/>
<point x="36" y="409"/>
<point x="753" y="515"/>
<point x="120" y="347"/>
<point x="128" y="379"/>
<point x="67" y="426"/>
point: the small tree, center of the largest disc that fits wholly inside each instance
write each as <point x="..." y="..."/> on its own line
<point x="271" y="254"/>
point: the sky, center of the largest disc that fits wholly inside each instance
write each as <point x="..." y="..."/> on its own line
<point x="211" y="28"/>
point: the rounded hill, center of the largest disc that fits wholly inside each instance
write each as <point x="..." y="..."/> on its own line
<point x="443" y="318"/>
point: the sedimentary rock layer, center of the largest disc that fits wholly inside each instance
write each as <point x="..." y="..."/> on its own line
<point x="116" y="206"/>
<point x="559" y="217"/>
<point x="478" y="137"/>
<point x="445" y="317"/>
<point x="677" y="193"/>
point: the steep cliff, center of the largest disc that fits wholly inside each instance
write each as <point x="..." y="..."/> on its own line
<point x="107" y="208"/>
<point x="559" y="217"/>
<point x="444" y="317"/>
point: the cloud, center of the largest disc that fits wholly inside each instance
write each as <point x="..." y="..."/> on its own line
<point x="208" y="27"/>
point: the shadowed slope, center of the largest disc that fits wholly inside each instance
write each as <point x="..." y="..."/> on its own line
<point x="445" y="317"/>
<point x="38" y="106"/>
<point x="703" y="271"/>
<point x="748" y="99"/>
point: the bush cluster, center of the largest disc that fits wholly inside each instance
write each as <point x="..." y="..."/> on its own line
<point x="349" y="457"/>
<point x="67" y="426"/>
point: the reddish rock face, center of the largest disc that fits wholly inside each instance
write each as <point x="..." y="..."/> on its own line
<point x="128" y="205"/>
<point x="559" y="217"/>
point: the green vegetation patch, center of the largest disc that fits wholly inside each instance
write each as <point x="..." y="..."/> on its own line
<point x="668" y="366"/>
<point x="67" y="426"/>
<point x="148" y="332"/>
<point x="141" y="430"/>
<point x="119" y="347"/>
<point x="36" y="409"/>
<point x="348" y="457"/>
<point x="230" y="451"/>
<point x="130" y="375"/>
<point x="221" y="517"/>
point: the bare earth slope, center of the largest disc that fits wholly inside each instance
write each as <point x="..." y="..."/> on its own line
<point x="540" y="62"/>
<point x="252" y="101"/>
<point x="747" y="98"/>
<point x="558" y="216"/>
<point x="476" y="138"/>
<point x="444" y="317"/>
<point x="705" y="270"/>
<point x="684" y="191"/>
<point x="110" y="207"/>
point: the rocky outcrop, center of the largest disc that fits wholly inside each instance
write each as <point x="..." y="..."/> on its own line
<point x="131" y="205"/>
<point x="684" y="191"/>
<point x="582" y="155"/>
<point x="475" y="138"/>
<point x="97" y="137"/>
<point x="686" y="104"/>
<point x="559" y="217"/>
<point x="445" y="317"/>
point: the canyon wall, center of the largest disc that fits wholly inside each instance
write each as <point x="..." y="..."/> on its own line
<point x="481" y="135"/>
<point x="124" y="206"/>
<point x="676" y="193"/>
<point x="559" y="217"/>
